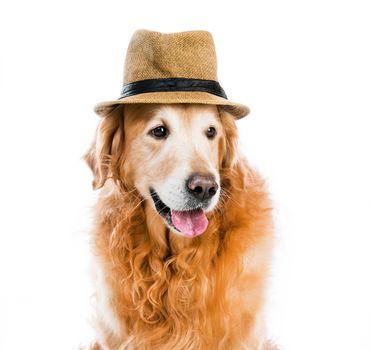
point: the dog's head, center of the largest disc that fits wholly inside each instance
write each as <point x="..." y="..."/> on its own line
<point x="171" y="154"/>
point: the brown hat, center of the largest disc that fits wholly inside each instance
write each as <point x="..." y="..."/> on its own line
<point x="172" y="68"/>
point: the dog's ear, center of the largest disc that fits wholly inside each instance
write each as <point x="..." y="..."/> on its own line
<point x="104" y="154"/>
<point x="228" y="149"/>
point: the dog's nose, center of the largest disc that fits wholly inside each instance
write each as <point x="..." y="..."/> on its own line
<point x="201" y="186"/>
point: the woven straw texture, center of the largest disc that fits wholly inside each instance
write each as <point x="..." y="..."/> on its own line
<point x="154" y="55"/>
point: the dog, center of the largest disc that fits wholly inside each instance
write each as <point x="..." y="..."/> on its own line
<point x="182" y="236"/>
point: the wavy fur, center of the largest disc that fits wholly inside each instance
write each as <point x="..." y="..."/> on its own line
<point x="167" y="292"/>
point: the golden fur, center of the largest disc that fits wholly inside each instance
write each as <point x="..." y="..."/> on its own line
<point x="164" y="291"/>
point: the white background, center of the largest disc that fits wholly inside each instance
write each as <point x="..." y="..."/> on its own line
<point x="304" y="68"/>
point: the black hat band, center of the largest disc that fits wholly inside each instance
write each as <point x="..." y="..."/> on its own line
<point x="172" y="84"/>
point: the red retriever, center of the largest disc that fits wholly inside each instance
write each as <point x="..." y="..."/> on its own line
<point x="182" y="234"/>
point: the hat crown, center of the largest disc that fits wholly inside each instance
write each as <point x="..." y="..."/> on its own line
<point x="154" y="55"/>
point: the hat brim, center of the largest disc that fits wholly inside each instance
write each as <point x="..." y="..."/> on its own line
<point x="198" y="97"/>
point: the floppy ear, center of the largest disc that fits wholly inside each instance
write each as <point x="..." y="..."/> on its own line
<point x="104" y="154"/>
<point x="229" y="147"/>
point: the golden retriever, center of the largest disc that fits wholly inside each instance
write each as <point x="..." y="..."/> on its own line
<point x="182" y="234"/>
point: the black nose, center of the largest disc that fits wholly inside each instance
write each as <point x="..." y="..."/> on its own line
<point x="201" y="186"/>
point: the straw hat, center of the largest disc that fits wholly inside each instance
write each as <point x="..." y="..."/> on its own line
<point x="172" y="68"/>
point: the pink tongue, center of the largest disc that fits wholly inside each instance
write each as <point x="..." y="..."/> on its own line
<point x="190" y="223"/>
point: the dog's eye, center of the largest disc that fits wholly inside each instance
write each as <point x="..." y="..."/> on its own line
<point x="211" y="132"/>
<point x="160" y="132"/>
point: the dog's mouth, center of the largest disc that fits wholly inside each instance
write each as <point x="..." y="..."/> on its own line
<point x="190" y="223"/>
